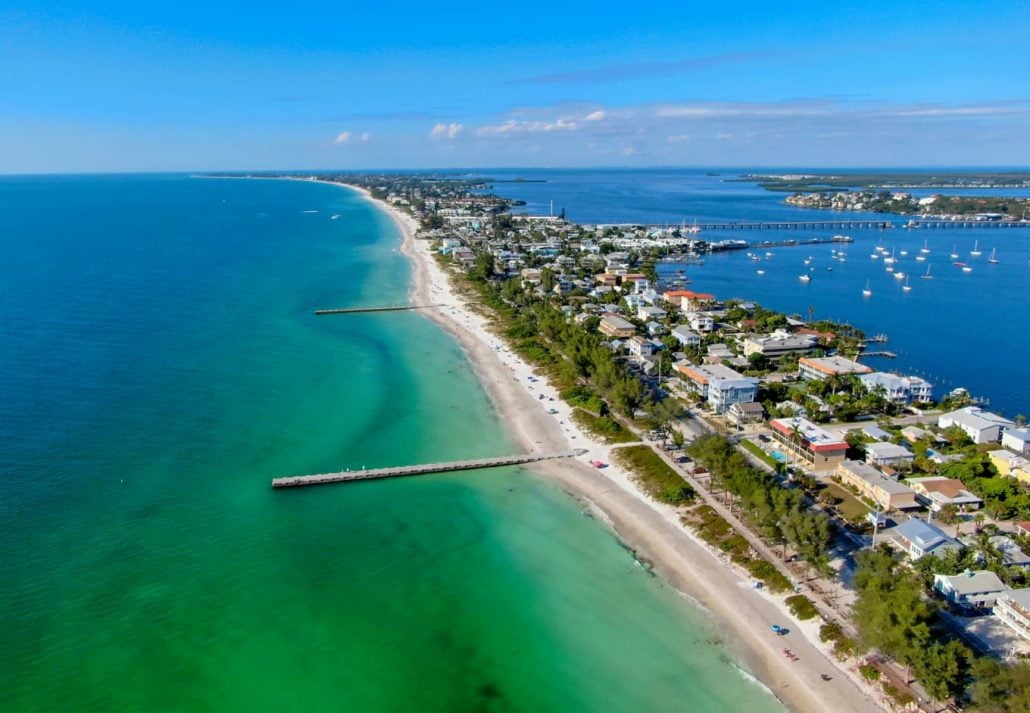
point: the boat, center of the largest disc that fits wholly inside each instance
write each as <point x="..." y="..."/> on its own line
<point x="768" y="254"/>
<point x="890" y="269"/>
<point x="904" y="253"/>
<point x="829" y="269"/>
<point x="994" y="256"/>
<point x="808" y="261"/>
<point x="906" y="287"/>
<point x="760" y="272"/>
<point x="890" y="260"/>
<point x="967" y="268"/>
<point x="867" y="292"/>
<point x="875" y="256"/>
<point x="975" y="252"/>
<point x="927" y="276"/>
<point x="804" y="278"/>
<point x="954" y="253"/>
<point x="899" y="275"/>
<point x="920" y="258"/>
<point x="926" y="247"/>
<point x="959" y="264"/>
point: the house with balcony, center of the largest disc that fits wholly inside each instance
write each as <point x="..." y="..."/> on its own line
<point x="719" y="385"/>
<point x="686" y="337"/>
<point x="888" y="494"/>
<point x="970" y="591"/>
<point x="1013" y="609"/>
<point x="884" y="453"/>
<point x="903" y="390"/>
<point x="809" y="443"/>
<point x="778" y="345"/>
<point x="745" y="412"/>
<point x="643" y="348"/>
<point x="700" y="321"/>
<point x="614" y="326"/>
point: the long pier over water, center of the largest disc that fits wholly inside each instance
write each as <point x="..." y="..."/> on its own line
<point x="357" y="310"/>
<point x="426" y="468"/>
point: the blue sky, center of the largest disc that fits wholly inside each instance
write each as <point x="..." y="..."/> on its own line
<point x="201" y="86"/>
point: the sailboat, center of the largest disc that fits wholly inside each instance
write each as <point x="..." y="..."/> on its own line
<point x="926" y="247"/>
<point x="867" y="292"/>
<point x="906" y="287"/>
<point x="899" y="275"/>
<point x="927" y="276"/>
<point x="975" y="252"/>
<point x="954" y="253"/>
<point x="890" y="260"/>
<point x="994" y="256"/>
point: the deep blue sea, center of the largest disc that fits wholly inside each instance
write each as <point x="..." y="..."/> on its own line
<point x="969" y="329"/>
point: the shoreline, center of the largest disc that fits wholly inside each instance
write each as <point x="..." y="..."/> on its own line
<point x="740" y="615"/>
<point x="648" y="529"/>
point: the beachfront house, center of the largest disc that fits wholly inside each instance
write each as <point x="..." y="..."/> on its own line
<point x="918" y="538"/>
<point x="778" y="345"/>
<point x="719" y="385"/>
<point x="809" y="443"/>
<point x="936" y="492"/>
<point x="970" y="590"/>
<point x="818" y="368"/>
<point x="883" y="453"/>
<point x="614" y="326"/>
<point x="700" y="321"/>
<point x="888" y="494"/>
<point x="981" y="426"/>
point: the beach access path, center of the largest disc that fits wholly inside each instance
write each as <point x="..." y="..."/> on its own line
<point x="742" y="614"/>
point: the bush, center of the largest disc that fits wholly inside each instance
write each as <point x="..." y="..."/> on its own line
<point x="843" y="646"/>
<point x="654" y="475"/>
<point x="768" y="575"/>
<point x="761" y="455"/>
<point x="802" y="607"/>
<point x="869" y="672"/>
<point x="607" y="429"/>
<point x="584" y="398"/>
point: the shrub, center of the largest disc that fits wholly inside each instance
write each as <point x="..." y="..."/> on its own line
<point x="654" y="475"/>
<point x="802" y="607"/>
<point x="869" y="672"/>
<point x="769" y="575"/>
<point x="607" y="429"/>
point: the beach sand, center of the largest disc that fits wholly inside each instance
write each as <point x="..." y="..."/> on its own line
<point x="744" y="616"/>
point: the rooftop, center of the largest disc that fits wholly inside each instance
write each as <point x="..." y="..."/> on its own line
<point x="831" y="366"/>
<point x="817" y="438"/>
<point x="973" y="582"/>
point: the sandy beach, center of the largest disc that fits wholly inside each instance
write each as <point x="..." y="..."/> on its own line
<point x="742" y="614"/>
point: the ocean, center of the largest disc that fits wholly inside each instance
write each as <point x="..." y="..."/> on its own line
<point x="959" y="329"/>
<point x="160" y="363"/>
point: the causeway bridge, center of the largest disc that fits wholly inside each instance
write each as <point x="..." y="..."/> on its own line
<point x="423" y="469"/>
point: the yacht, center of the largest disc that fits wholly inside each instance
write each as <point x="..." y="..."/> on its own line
<point x="804" y="278"/>
<point x="954" y="253"/>
<point x="926" y="247"/>
<point x="906" y="287"/>
<point x="927" y="276"/>
<point x="920" y="258"/>
<point x="867" y="292"/>
<point x="760" y="272"/>
<point x="899" y="276"/>
<point x="994" y="256"/>
<point x="975" y="252"/>
<point x="967" y="268"/>
<point x="875" y="256"/>
<point x="889" y="260"/>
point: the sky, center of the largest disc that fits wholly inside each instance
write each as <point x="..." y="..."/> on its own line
<point x="188" y="86"/>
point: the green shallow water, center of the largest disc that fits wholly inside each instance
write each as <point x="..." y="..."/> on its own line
<point x="161" y="365"/>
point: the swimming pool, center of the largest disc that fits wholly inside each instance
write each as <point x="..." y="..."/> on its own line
<point x="779" y="456"/>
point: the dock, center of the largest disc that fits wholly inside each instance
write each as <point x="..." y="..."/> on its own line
<point x="423" y="469"/>
<point x="358" y="310"/>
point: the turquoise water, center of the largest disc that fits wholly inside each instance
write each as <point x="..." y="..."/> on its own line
<point x="160" y="364"/>
<point x="779" y="456"/>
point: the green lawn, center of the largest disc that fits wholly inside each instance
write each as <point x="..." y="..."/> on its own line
<point x="850" y="506"/>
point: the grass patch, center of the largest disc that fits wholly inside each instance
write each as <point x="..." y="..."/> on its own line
<point x="802" y="607"/>
<point x="654" y="475"/>
<point x="606" y="429"/>
<point x="844" y="647"/>
<point x="761" y="455"/>
<point x="582" y="397"/>
<point x="851" y="508"/>
<point x="713" y="529"/>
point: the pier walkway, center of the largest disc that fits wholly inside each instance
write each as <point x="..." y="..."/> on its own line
<point x="426" y="468"/>
<point x="357" y="310"/>
<point x="927" y="223"/>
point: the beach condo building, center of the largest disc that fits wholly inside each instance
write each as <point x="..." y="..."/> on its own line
<point x="614" y="326"/>
<point x="981" y="426"/>
<point x="719" y="385"/>
<point x="1017" y="439"/>
<point x="818" y="368"/>
<point x="1011" y="465"/>
<point x="883" y="453"/>
<point x="888" y="494"/>
<point x="970" y="591"/>
<point x="901" y="390"/>
<point x="686" y="337"/>
<point x="1013" y="609"/>
<point x="918" y="538"/>
<point x="809" y="443"/>
<point x="937" y="491"/>
<point x="778" y="345"/>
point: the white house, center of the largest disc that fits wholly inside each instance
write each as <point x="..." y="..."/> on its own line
<point x="898" y="389"/>
<point x="1017" y="439"/>
<point x="970" y="590"/>
<point x="700" y="321"/>
<point x="686" y="337"/>
<point x="937" y="491"/>
<point x="981" y="426"/>
<point x="718" y="384"/>
<point x="651" y="313"/>
<point x="1013" y="609"/>
<point x="883" y="453"/>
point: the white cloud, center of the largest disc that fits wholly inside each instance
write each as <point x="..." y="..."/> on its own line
<point x="366" y="136"/>
<point x="595" y="115"/>
<point x="677" y="138"/>
<point x="343" y="137"/>
<point x="513" y="126"/>
<point x="723" y="137"/>
<point x="446" y="131"/>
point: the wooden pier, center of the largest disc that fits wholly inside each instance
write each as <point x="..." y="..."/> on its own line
<point x="358" y="310"/>
<point x="424" y="469"/>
